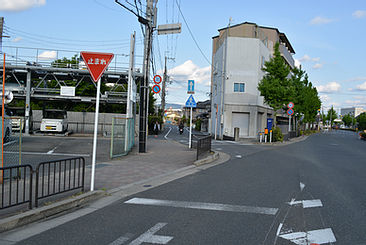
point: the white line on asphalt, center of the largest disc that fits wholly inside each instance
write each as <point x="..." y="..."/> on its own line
<point x="170" y="129"/>
<point x="238" y="156"/>
<point x="51" y="151"/>
<point x="321" y="236"/>
<point x="121" y="240"/>
<point x="53" y="154"/>
<point x="279" y="229"/>
<point x="10" y="142"/>
<point x="204" y="206"/>
<point x="302" y="186"/>
<point x="307" y="203"/>
<point x="149" y="236"/>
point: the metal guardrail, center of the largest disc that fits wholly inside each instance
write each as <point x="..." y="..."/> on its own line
<point x="51" y="178"/>
<point x="59" y="176"/>
<point x="16" y="186"/>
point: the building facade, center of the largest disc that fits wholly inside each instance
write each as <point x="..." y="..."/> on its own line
<point x="352" y="111"/>
<point x="238" y="56"/>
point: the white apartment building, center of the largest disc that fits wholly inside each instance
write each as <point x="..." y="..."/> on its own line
<point x="353" y="111"/>
<point x="238" y="55"/>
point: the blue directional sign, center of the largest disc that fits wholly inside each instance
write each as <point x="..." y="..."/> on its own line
<point x="290" y="112"/>
<point x="269" y="123"/>
<point x="190" y="87"/>
<point x="191" y="102"/>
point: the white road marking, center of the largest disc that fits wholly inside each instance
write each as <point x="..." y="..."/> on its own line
<point x="51" y="151"/>
<point x="204" y="206"/>
<point x="53" y="154"/>
<point x="149" y="236"/>
<point x="10" y="142"/>
<point x="238" y="156"/>
<point x="279" y="229"/>
<point x="302" y="186"/>
<point x="170" y="129"/>
<point x="219" y="149"/>
<point x="321" y="236"/>
<point x="121" y="240"/>
<point x="307" y="203"/>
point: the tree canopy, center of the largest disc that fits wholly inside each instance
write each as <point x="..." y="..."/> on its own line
<point x="361" y="119"/>
<point x="281" y="85"/>
<point x="332" y="115"/>
<point x="347" y="120"/>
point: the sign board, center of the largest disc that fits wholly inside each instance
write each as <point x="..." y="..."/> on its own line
<point x="190" y="87"/>
<point x="156" y="89"/>
<point x="169" y="29"/>
<point x="96" y="63"/>
<point x="157" y="79"/>
<point x="290" y="112"/>
<point x="269" y="123"/>
<point x="191" y="102"/>
<point x="290" y="105"/>
<point x="67" y="91"/>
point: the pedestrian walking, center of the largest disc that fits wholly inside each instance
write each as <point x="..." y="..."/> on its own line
<point x="156" y="128"/>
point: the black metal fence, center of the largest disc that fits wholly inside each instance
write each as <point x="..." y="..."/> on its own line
<point x="16" y="186"/>
<point x="59" y="176"/>
<point x="202" y="143"/>
<point x="51" y="178"/>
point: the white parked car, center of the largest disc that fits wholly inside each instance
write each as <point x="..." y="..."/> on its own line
<point x="54" y="121"/>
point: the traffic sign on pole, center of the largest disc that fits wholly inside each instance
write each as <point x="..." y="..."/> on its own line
<point x="290" y="112"/>
<point x="291" y="105"/>
<point x="96" y="63"/>
<point x="156" y="89"/>
<point x="190" y="87"/>
<point x="157" y="79"/>
<point x="191" y="102"/>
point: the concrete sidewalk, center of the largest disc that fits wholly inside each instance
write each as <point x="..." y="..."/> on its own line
<point x="162" y="156"/>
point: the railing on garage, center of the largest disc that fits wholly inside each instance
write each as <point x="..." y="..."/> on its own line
<point x="59" y="176"/>
<point x="16" y="186"/>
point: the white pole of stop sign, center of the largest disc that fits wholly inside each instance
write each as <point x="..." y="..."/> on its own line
<point x="190" y="131"/>
<point x="95" y="136"/>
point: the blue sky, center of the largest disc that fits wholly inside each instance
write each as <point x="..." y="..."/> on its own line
<point x="327" y="35"/>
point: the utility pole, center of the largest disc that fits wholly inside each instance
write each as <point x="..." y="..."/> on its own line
<point x="1" y="33"/>
<point x="144" y="87"/>
<point x="165" y="78"/>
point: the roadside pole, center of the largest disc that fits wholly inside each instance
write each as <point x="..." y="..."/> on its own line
<point x="289" y="124"/>
<point x="190" y="130"/>
<point x="2" y="118"/>
<point x="95" y="136"/>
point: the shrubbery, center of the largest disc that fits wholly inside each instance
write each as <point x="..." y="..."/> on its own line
<point x="277" y="134"/>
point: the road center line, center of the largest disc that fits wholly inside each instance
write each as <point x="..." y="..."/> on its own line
<point x="307" y="203"/>
<point x="204" y="206"/>
<point x="149" y="237"/>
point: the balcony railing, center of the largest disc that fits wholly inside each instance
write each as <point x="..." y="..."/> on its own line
<point x="287" y="55"/>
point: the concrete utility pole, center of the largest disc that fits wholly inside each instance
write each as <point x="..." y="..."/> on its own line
<point x="144" y="87"/>
<point x="165" y="78"/>
<point x="1" y="33"/>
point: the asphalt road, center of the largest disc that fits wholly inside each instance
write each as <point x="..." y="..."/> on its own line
<point x="310" y="191"/>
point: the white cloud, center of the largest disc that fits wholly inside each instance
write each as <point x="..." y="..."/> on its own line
<point x="329" y="87"/>
<point x="19" y="5"/>
<point x="305" y="58"/>
<point x="317" y="66"/>
<point x="320" y="21"/>
<point x="361" y="87"/>
<point x="359" y="14"/>
<point x="17" y="39"/>
<point x="297" y="63"/>
<point x="190" y="71"/>
<point x="316" y="59"/>
<point x="48" y="55"/>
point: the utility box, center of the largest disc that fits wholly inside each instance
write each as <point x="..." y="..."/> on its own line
<point x="236" y="134"/>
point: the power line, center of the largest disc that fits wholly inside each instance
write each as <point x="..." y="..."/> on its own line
<point x="190" y="32"/>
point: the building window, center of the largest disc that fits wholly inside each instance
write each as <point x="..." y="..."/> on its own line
<point x="239" y="87"/>
<point x="263" y="60"/>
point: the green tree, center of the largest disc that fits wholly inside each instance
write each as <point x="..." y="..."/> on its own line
<point x="361" y="119"/>
<point x="332" y="115"/>
<point x="67" y="63"/>
<point x="347" y="120"/>
<point x="275" y="86"/>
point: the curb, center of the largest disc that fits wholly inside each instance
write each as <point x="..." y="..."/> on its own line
<point x="213" y="157"/>
<point x="47" y="211"/>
